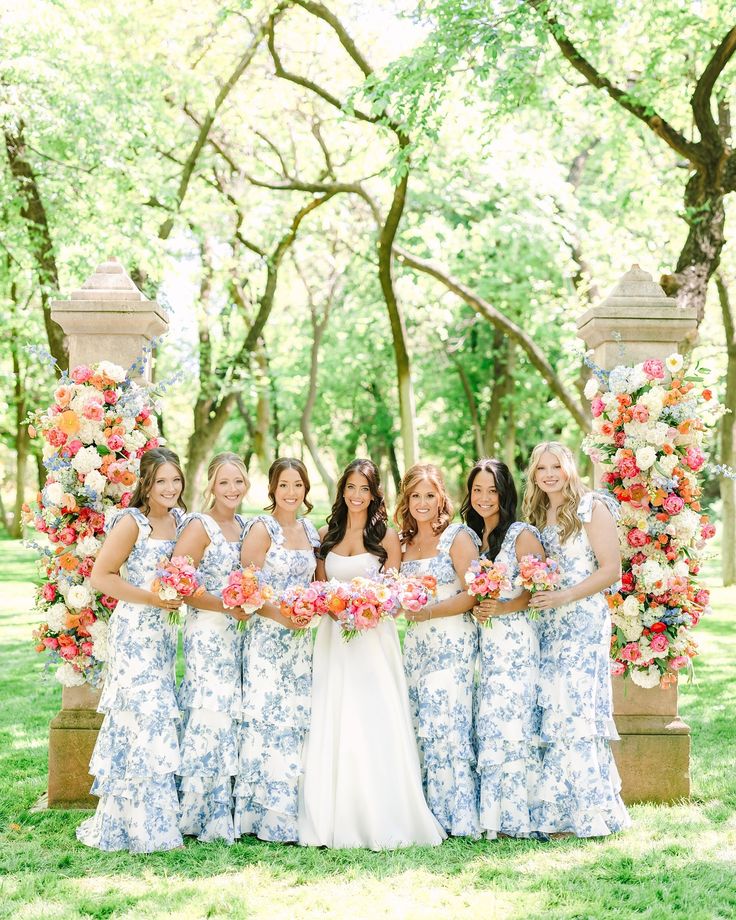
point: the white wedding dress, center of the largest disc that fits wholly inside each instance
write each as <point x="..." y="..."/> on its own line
<point x="361" y="783"/>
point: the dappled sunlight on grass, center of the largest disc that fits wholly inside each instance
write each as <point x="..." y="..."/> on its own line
<point x="675" y="862"/>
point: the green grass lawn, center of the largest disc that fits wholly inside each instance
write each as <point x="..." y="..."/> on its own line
<point x="676" y="862"/>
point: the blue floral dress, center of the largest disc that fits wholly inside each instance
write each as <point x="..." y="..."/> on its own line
<point x="137" y="751"/>
<point x="439" y="660"/>
<point x="277" y="687"/>
<point x="579" y="787"/>
<point x="209" y="697"/>
<point x="507" y="716"/>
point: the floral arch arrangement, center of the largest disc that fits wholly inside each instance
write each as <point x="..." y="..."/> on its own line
<point x="648" y="438"/>
<point x="94" y="433"/>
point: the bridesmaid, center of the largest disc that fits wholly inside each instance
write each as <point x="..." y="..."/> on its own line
<point x="137" y="750"/>
<point x="506" y="710"/>
<point x="440" y="648"/>
<point x="579" y="789"/>
<point x="277" y="673"/>
<point x="209" y="694"/>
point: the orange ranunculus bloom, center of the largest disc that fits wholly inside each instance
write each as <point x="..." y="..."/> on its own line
<point x="68" y="562"/>
<point x="72" y="620"/>
<point x="696" y="506"/>
<point x="685" y="426"/>
<point x="68" y="422"/>
<point x="127" y="479"/>
<point x="336" y="603"/>
<point x="119" y="430"/>
<point x="668" y="449"/>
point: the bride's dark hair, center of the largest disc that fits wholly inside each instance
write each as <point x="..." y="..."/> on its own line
<point x="507" y="501"/>
<point x="376" y="522"/>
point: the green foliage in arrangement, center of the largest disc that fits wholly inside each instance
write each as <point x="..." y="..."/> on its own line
<point x="675" y="861"/>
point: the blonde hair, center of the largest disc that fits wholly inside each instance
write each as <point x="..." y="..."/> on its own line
<point x="215" y="465"/>
<point x="404" y="518"/>
<point x="536" y="502"/>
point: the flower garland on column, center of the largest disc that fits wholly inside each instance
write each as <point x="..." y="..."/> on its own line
<point x="647" y="436"/>
<point x="95" y="432"/>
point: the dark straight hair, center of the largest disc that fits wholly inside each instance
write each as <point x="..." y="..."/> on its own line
<point x="376" y="523"/>
<point x="274" y="472"/>
<point x="507" y="501"/>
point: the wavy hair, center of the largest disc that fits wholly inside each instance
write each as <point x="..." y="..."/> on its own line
<point x="404" y="518"/>
<point x="150" y="463"/>
<point x="536" y="502"/>
<point x="507" y="503"/>
<point x="275" y="471"/>
<point x="215" y="465"/>
<point x="376" y="523"/>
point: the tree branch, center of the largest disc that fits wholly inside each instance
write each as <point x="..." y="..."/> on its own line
<point x="510" y="328"/>
<point x="701" y="98"/>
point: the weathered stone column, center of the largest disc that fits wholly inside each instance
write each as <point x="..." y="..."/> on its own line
<point x="635" y="322"/>
<point x="107" y="319"/>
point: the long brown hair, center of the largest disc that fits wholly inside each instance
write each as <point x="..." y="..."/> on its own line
<point x="404" y="518"/>
<point x="536" y="502"/>
<point x="275" y="471"/>
<point x="150" y="463"/>
<point x="376" y="523"/>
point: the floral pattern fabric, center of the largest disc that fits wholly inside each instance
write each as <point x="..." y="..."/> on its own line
<point x="209" y="697"/>
<point x="277" y="686"/>
<point x="137" y="751"/>
<point x="439" y="660"/>
<point x="507" y="715"/>
<point x="579" y="786"/>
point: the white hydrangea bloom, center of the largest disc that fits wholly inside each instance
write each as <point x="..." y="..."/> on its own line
<point x="631" y="607"/>
<point x="53" y="493"/>
<point x="653" y="400"/>
<point x="69" y="676"/>
<point x="668" y="464"/>
<point x="86" y="460"/>
<point x="96" y="481"/>
<point x="646" y="678"/>
<point x="88" y="546"/>
<point x="56" y="617"/>
<point x="657" y="434"/>
<point x="649" y="573"/>
<point x="591" y="388"/>
<point x="134" y="440"/>
<point x="99" y="631"/>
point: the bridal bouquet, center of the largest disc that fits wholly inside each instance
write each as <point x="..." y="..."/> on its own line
<point x="246" y="588"/>
<point x="486" y="579"/>
<point x="302" y="603"/>
<point x="413" y="592"/>
<point x="366" y="603"/>
<point x="177" y="577"/>
<point x="537" y="574"/>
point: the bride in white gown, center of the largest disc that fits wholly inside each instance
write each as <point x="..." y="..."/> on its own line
<point x="361" y="783"/>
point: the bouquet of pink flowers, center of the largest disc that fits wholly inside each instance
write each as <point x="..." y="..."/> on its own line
<point x="537" y="574"/>
<point x="362" y="604"/>
<point x="413" y="592"/>
<point x="486" y="579"/>
<point x="302" y="603"/>
<point x="177" y="577"/>
<point x="246" y="588"/>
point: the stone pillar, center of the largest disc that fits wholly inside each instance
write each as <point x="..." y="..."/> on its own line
<point x="107" y="319"/>
<point x="635" y="322"/>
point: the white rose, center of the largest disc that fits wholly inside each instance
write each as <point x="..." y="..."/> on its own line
<point x="645" y="457"/>
<point x="134" y="440"/>
<point x="167" y="593"/>
<point x="648" y="678"/>
<point x="591" y="388"/>
<point x="674" y="362"/>
<point x="88" y="546"/>
<point x="79" y="596"/>
<point x="68" y="676"/>
<point x="56" y="617"/>
<point x="95" y="481"/>
<point x="631" y="607"/>
<point x="86" y="460"/>
<point x="113" y="371"/>
<point x="53" y="493"/>
<point x="99" y="632"/>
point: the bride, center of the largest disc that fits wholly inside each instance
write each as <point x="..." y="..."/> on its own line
<point x="361" y="784"/>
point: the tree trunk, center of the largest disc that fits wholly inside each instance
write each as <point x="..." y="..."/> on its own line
<point x="262" y="439"/>
<point x="728" y="441"/>
<point x="472" y="407"/>
<point x="208" y="424"/>
<point x="305" y="426"/>
<point x="22" y="440"/>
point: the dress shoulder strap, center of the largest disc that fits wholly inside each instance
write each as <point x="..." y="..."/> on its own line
<point x="211" y="528"/>
<point x="311" y="530"/>
<point x="449" y="533"/>
<point x="144" y="526"/>
<point x="272" y="526"/>
<point x="585" y="508"/>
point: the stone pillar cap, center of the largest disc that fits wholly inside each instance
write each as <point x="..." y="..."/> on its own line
<point x="638" y="284"/>
<point x="109" y="282"/>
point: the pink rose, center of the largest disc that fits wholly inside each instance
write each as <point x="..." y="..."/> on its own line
<point x="49" y="592"/>
<point x="67" y="535"/>
<point x="694" y="457"/>
<point x="702" y="597"/>
<point x="74" y="447"/>
<point x="50" y="642"/>
<point x="94" y="412"/>
<point x="150" y="444"/>
<point x="627" y="468"/>
<point x="87" y="648"/>
<point x="68" y="651"/>
<point x="619" y="439"/>
<point x="631" y="652"/>
<point x="617" y="668"/>
<point x="63" y="395"/>
<point x="111" y="397"/>
<point x="681" y="661"/>
<point x="125" y="499"/>
<point x="654" y="369"/>
<point x="640" y="413"/>
<point x="81" y="374"/>
<point x="109" y="602"/>
<point x="56" y="438"/>
<point x="659" y="643"/>
<point x="637" y="538"/>
<point x="708" y="531"/>
<point x="597" y="407"/>
<point x="115" y="442"/>
<point x="673" y="504"/>
<point x="143" y="415"/>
